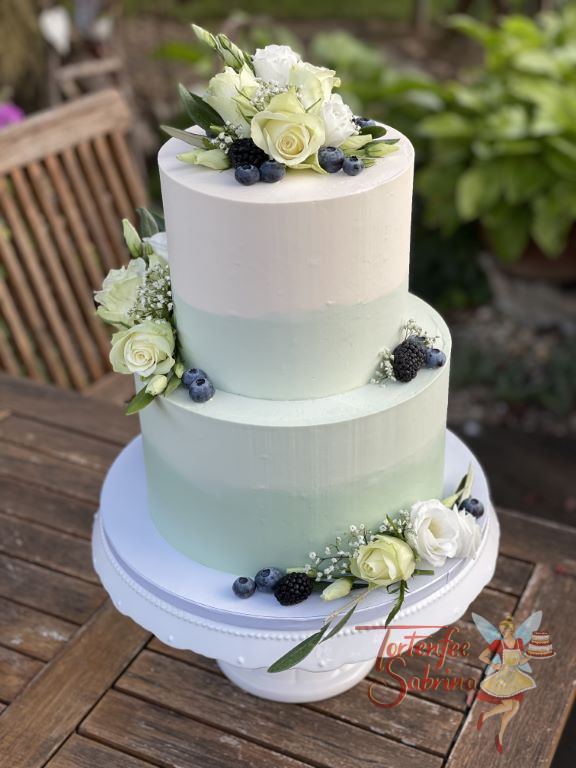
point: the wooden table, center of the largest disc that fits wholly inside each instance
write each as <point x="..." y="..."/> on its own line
<point x="83" y="686"/>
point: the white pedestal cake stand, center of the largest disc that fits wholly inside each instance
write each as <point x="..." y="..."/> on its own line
<point x="187" y="605"/>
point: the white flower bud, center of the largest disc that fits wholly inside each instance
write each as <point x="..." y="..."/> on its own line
<point x="157" y="385"/>
<point x="132" y="238"/>
<point x="339" y="588"/>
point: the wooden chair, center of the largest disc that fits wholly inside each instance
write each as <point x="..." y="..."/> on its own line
<point x="67" y="177"/>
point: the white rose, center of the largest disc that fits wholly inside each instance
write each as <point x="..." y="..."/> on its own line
<point x="144" y="349"/>
<point x="286" y="132"/>
<point x="274" y="63"/>
<point x="436" y="533"/>
<point x="229" y="93"/>
<point x="159" y="244"/>
<point x="119" y="293"/>
<point x="314" y="83"/>
<point x="470" y="534"/>
<point x="338" y="120"/>
<point x="383" y="561"/>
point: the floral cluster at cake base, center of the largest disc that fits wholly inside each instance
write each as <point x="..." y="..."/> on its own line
<point x="366" y="560"/>
<point x="270" y="112"/>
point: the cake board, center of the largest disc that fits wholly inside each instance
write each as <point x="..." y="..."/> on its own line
<point x="189" y="606"/>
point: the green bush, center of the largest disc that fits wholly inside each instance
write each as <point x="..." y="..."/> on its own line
<point x="503" y="144"/>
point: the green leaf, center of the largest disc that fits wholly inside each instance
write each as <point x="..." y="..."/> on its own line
<point x="397" y="604"/>
<point x="508" y="122"/>
<point x="298" y="653"/>
<point x="148" y="225"/>
<point x="523" y="178"/>
<point x="198" y="110"/>
<point x="476" y="30"/>
<point x="463" y="489"/>
<point x="537" y="62"/>
<point x="477" y="191"/>
<point x="140" y="400"/>
<point x="447" y="125"/>
<point x="375" y="131"/>
<point x="342" y="623"/>
<point x="508" y="230"/>
<point x="173" y="384"/>
<point x="423" y="572"/>
<point x="554" y="217"/>
<point x="195" y="139"/>
<point x="176" y="50"/>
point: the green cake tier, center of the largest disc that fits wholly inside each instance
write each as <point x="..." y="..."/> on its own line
<point x="241" y="483"/>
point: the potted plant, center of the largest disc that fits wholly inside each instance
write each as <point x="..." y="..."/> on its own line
<point x="502" y="147"/>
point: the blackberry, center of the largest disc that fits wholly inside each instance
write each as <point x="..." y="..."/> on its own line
<point x="409" y="357"/>
<point x="293" y="588"/>
<point x="245" y="152"/>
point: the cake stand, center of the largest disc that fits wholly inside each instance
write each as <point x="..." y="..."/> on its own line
<point x="189" y="606"/>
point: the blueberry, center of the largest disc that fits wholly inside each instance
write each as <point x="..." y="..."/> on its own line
<point x="435" y="358"/>
<point x="475" y="507"/>
<point x="191" y="375"/>
<point x="330" y="159"/>
<point x="267" y="578"/>
<point x="201" y="389"/>
<point x="353" y="165"/>
<point x="272" y="170"/>
<point x="364" y="122"/>
<point x="247" y="174"/>
<point x="244" y="587"/>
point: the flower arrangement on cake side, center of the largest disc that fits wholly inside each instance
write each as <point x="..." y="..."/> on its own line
<point x="367" y="560"/>
<point x="136" y="300"/>
<point x="270" y="112"/>
<point x="416" y="350"/>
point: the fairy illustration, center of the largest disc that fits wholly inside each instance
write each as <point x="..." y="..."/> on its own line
<point x="506" y="686"/>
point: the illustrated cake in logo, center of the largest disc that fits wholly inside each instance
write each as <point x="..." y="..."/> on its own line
<point x="540" y="646"/>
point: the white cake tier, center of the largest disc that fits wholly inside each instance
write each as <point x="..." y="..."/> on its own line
<point x="275" y="285"/>
<point x="239" y="483"/>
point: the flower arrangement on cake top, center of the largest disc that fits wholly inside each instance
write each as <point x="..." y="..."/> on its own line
<point x="366" y="560"/>
<point x="270" y="112"/>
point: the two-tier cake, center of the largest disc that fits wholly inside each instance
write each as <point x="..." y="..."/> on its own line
<point x="287" y="296"/>
<point x="292" y="391"/>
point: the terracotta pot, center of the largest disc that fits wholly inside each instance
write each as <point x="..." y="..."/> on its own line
<point x="535" y="265"/>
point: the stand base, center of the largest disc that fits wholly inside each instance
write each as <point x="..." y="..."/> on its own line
<point x="297" y="685"/>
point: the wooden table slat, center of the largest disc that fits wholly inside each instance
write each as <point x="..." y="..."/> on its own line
<point x="67" y="409"/>
<point x="67" y="689"/>
<point x="48" y="472"/>
<point x="172" y="739"/>
<point x="32" y="632"/>
<point x="46" y="590"/>
<point x="16" y="670"/>
<point x="52" y="549"/>
<point x="70" y="447"/>
<point x="533" y="734"/>
<point x="46" y="508"/>
<point x="511" y="575"/>
<point x="79" y="752"/>
<point x="324" y="740"/>
<point x="534" y="539"/>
